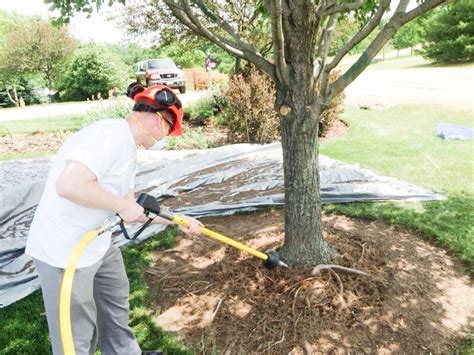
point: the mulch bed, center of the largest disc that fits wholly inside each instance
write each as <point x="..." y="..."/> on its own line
<point x="218" y="299"/>
<point x="32" y="142"/>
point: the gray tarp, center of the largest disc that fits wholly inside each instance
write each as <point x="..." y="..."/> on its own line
<point x="199" y="183"/>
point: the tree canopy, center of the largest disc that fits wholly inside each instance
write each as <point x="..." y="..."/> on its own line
<point x="32" y="48"/>
<point x="449" y="33"/>
<point x="297" y="61"/>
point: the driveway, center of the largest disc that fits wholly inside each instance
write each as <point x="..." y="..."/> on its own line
<point x="411" y="81"/>
<point x="38" y="111"/>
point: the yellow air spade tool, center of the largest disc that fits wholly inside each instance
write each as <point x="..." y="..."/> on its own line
<point x="152" y="209"/>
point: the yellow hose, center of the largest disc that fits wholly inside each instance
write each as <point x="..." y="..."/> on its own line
<point x="223" y="239"/>
<point x="65" y="327"/>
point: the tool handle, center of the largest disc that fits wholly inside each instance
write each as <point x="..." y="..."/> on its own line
<point x="217" y="236"/>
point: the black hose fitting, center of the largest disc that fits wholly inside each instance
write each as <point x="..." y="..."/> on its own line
<point x="273" y="260"/>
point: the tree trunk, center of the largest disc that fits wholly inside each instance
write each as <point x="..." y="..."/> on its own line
<point x="304" y="243"/>
<point x="237" y="66"/>
<point x="14" y="100"/>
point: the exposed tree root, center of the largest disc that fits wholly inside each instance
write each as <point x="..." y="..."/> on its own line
<point x="323" y="267"/>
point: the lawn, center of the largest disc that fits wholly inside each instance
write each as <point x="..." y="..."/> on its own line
<point x="43" y="124"/>
<point x="401" y="142"/>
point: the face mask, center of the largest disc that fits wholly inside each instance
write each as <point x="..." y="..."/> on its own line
<point x="158" y="144"/>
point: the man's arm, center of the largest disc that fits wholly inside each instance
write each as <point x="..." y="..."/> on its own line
<point x="78" y="184"/>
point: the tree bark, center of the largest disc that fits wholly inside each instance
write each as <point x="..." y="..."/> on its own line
<point x="14" y="100"/>
<point x="304" y="243"/>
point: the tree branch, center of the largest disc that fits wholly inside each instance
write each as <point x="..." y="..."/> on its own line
<point x="276" y="14"/>
<point x="338" y="8"/>
<point x="224" y="25"/>
<point x="185" y="14"/>
<point x="422" y="9"/>
<point x="324" y="42"/>
<point x="178" y="12"/>
<point x="399" y="18"/>
<point x="363" y="33"/>
<point x="10" y="97"/>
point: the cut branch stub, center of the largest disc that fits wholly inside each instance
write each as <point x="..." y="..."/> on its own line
<point x="284" y="110"/>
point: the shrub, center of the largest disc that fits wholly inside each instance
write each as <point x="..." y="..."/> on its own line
<point x="449" y="35"/>
<point x="199" y="113"/>
<point x="249" y="108"/>
<point x="249" y="112"/>
<point x="92" y="72"/>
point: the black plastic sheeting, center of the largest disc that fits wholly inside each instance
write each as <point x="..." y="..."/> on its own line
<point x="213" y="182"/>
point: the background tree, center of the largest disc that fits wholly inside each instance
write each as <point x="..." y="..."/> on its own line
<point x="154" y="19"/>
<point x="35" y="48"/>
<point x="93" y="70"/>
<point x="12" y="80"/>
<point x="301" y="32"/>
<point x="449" y="33"/>
<point x="408" y="36"/>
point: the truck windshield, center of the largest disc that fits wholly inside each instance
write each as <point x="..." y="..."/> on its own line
<point x="161" y="63"/>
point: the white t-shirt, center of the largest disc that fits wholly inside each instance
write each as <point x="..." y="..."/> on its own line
<point x="108" y="149"/>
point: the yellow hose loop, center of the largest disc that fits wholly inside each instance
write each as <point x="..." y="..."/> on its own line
<point x="223" y="239"/>
<point x="65" y="295"/>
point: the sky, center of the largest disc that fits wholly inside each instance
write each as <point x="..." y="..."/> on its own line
<point x="93" y="29"/>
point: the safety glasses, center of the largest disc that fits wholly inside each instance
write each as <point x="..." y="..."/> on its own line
<point x="170" y="123"/>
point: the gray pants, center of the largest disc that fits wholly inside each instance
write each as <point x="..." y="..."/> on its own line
<point x="99" y="306"/>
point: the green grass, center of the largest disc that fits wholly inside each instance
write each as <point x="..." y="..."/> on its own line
<point x="24" y="328"/>
<point x="401" y="142"/>
<point x="43" y="124"/>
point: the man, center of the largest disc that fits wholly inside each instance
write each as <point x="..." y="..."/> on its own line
<point x="91" y="179"/>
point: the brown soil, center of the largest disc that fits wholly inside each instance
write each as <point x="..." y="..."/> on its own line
<point x="32" y="142"/>
<point x="220" y="300"/>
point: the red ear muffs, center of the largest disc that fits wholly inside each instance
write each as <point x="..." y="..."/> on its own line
<point x="161" y="97"/>
<point x="133" y="89"/>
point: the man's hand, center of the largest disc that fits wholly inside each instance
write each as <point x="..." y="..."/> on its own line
<point x="132" y="212"/>
<point x="194" y="228"/>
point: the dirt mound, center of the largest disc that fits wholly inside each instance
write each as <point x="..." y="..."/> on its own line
<point x="218" y="299"/>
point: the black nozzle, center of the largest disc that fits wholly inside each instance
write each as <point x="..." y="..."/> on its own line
<point x="148" y="203"/>
<point x="273" y="260"/>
